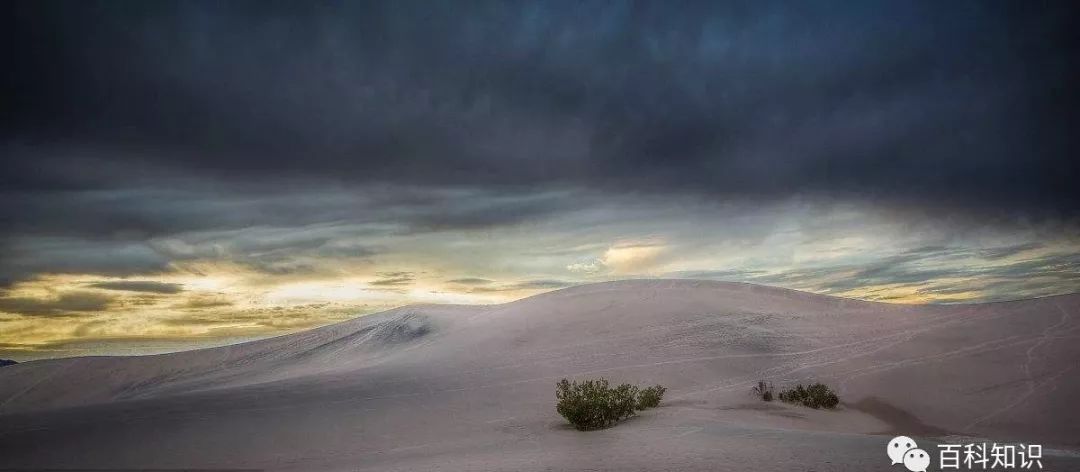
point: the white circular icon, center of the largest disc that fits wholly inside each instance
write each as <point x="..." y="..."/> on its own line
<point x="916" y="460"/>
<point x="898" y="447"/>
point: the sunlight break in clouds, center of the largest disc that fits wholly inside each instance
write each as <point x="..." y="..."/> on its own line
<point x="623" y="258"/>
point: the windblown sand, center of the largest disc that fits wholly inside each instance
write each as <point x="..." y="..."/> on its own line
<point x="472" y="387"/>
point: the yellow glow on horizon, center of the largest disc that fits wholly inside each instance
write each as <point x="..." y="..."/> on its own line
<point x="228" y="303"/>
<point x="901" y="293"/>
<point x="627" y="258"/>
<point x="225" y="299"/>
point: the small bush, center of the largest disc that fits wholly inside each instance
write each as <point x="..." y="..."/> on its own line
<point x="593" y="404"/>
<point x="623" y="402"/>
<point x="583" y="404"/>
<point x="650" y="397"/>
<point x="817" y="395"/>
<point x="763" y="390"/>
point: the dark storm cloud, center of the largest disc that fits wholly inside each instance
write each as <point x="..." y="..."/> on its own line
<point x="65" y="304"/>
<point x="137" y="134"/>
<point x="139" y="286"/>
<point x="177" y="205"/>
<point x="25" y="257"/>
<point x="957" y="103"/>
<point x="136" y="231"/>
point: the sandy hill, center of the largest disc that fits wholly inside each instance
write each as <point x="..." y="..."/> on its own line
<point x="472" y="387"/>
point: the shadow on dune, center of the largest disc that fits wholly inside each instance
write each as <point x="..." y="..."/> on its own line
<point x="899" y="421"/>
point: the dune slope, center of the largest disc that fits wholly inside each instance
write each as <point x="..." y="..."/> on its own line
<point x="472" y="387"/>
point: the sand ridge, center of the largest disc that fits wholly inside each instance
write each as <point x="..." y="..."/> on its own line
<point x="471" y="388"/>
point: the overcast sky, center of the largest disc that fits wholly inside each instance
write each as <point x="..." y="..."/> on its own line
<point x="176" y="174"/>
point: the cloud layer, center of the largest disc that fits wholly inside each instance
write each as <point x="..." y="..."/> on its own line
<point x="203" y="170"/>
<point x="964" y="104"/>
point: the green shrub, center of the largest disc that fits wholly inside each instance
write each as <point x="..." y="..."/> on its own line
<point x="763" y="390"/>
<point x="817" y="395"/>
<point x="650" y="397"/>
<point x="622" y="402"/>
<point x="593" y="404"/>
<point x="583" y="404"/>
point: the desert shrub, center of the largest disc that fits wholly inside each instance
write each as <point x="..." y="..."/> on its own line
<point x="817" y="395"/>
<point x="592" y="404"/>
<point x="622" y="402"/>
<point x="583" y="404"/>
<point x="650" y="397"/>
<point x="763" y="390"/>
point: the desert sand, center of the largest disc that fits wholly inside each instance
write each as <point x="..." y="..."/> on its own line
<point x="472" y="387"/>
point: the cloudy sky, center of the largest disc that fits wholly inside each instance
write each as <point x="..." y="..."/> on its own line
<point x="184" y="174"/>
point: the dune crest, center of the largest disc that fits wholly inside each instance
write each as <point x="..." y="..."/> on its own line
<point x="421" y="386"/>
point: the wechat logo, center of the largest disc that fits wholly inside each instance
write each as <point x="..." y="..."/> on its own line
<point x="903" y="450"/>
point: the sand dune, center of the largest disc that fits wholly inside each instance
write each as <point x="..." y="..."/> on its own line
<point x="472" y="387"/>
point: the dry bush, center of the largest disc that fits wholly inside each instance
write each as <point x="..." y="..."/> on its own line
<point x="593" y="404"/>
<point x="817" y="395"/>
